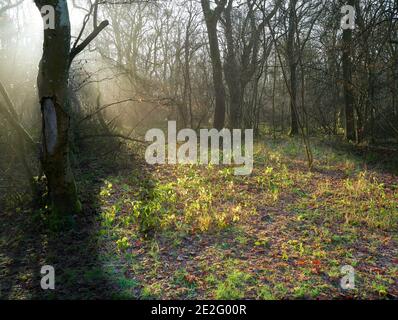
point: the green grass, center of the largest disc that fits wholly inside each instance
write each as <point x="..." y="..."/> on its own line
<point x="188" y="232"/>
<point x="233" y="287"/>
<point x="325" y="215"/>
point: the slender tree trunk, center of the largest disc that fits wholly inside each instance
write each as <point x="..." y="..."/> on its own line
<point x="371" y="101"/>
<point x="292" y="61"/>
<point x="187" y="78"/>
<point x="52" y="85"/>
<point x="273" y="97"/>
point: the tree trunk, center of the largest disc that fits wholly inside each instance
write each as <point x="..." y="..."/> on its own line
<point x="52" y="85"/>
<point x="211" y="18"/>
<point x="187" y="110"/>
<point x="292" y="61"/>
<point x="348" y="87"/>
<point x="232" y="72"/>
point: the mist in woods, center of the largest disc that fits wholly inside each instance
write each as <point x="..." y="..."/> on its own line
<point x="82" y="82"/>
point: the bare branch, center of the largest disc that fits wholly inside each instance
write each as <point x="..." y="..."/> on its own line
<point x="79" y="48"/>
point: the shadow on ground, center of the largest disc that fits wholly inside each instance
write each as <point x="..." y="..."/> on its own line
<point x="27" y="242"/>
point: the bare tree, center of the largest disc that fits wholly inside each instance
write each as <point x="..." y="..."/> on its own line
<point x="348" y="85"/>
<point x="52" y="83"/>
<point x="212" y="17"/>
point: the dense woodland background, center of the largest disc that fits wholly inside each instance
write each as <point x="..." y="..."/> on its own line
<point x="75" y="191"/>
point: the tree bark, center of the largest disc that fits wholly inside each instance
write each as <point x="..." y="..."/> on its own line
<point x="232" y="72"/>
<point x="211" y="18"/>
<point x="348" y="87"/>
<point x="292" y="61"/>
<point x="52" y="85"/>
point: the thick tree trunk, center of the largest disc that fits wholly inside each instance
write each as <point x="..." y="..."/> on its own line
<point x="232" y="73"/>
<point x="52" y="84"/>
<point x="348" y="87"/>
<point x="211" y="18"/>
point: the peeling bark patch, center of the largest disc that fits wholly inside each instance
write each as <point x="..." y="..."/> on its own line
<point x="50" y="124"/>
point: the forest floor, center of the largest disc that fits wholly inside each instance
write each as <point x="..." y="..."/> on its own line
<point x="200" y="232"/>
